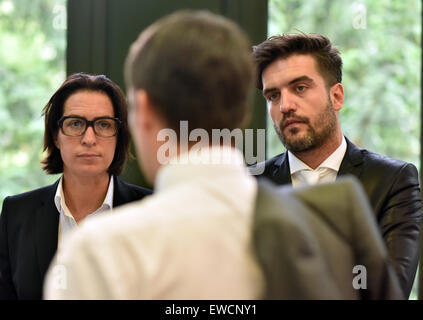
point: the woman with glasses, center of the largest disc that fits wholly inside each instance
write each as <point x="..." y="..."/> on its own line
<point x="86" y="139"/>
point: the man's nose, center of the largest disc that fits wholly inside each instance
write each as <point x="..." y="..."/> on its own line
<point x="287" y="102"/>
<point x="89" y="137"/>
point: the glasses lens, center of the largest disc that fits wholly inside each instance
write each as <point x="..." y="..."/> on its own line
<point x="73" y="126"/>
<point x="105" y="127"/>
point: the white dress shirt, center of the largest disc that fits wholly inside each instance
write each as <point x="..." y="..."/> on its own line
<point x="190" y="240"/>
<point x="302" y="174"/>
<point x="66" y="220"/>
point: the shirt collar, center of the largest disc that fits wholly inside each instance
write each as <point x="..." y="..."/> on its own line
<point x="200" y="164"/>
<point x="108" y="200"/>
<point x="59" y="198"/>
<point x="332" y="162"/>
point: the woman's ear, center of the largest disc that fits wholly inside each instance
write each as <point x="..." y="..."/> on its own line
<point x="55" y="140"/>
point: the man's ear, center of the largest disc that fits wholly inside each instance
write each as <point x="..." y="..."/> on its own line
<point x="144" y="111"/>
<point x="337" y="96"/>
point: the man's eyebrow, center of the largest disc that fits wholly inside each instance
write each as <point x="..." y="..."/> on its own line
<point x="298" y="79"/>
<point x="266" y="91"/>
<point x="301" y="78"/>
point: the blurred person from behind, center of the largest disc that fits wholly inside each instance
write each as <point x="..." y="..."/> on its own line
<point x="192" y="238"/>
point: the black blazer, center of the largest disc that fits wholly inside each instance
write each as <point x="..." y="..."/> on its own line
<point x="29" y="225"/>
<point x="392" y="187"/>
<point x="327" y="241"/>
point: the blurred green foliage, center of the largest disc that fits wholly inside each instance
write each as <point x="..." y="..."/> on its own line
<point x="380" y="46"/>
<point x="32" y="66"/>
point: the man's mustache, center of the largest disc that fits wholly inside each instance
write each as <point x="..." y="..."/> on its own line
<point x="292" y="118"/>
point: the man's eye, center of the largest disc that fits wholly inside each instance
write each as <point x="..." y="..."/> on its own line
<point x="301" y="88"/>
<point x="273" y="97"/>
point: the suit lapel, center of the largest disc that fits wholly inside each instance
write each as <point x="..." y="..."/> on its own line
<point x="281" y="173"/>
<point x="47" y="227"/>
<point x="120" y="192"/>
<point x="352" y="162"/>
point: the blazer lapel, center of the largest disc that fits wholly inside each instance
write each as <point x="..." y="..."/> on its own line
<point x="120" y="192"/>
<point x="281" y="173"/>
<point x="47" y="227"/>
<point x="352" y="162"/>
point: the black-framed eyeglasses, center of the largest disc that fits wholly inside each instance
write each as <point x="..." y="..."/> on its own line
<point x="76" y="126"/>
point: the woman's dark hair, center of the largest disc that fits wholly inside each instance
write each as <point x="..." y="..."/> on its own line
<point x="53" y="111"/>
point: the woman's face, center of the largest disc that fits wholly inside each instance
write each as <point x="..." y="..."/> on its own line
<point x="89" y="154"/>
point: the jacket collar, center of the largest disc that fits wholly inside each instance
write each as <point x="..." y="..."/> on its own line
<point x="121" y="192"/>
<point x="351" y="164"/>
<point x="281" y="173"/>
<point x="47" y="227"/>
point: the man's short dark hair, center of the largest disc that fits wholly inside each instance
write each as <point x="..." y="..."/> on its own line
<point x="53" y="111"/>
<point x="195" y="66"/>
<point x="327" y="57"/>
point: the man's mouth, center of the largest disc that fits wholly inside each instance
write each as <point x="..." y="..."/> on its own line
<point x="290" y="122"/>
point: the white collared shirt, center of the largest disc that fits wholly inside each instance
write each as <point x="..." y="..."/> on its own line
<point x="190" y="240"/>
<point x="66" y="220"/>
<point x="302" y="174"/>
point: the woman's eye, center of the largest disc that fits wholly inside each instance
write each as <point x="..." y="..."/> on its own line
<point x="75" y="123"/>
<point x="104" y="124"/>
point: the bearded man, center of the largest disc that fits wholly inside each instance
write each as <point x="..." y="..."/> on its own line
<point x="300" y="77"/>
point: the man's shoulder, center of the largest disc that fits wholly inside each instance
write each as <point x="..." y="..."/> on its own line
<point x="149" y="218"/>
<point x="376" y="160"/>
<point x="125" y="218"/>
<point x="374" y="169"/>
<point x="130" y="231"/>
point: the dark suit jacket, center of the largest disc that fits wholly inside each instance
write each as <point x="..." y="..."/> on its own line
<point x="311" y="247"/>
<point x="29" y="225"/>
<point x="393" y="189"/>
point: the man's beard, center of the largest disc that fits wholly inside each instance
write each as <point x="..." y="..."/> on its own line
<point x="325" y="125"/>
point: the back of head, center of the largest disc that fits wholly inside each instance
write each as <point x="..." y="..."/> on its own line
<point x="327" y="57"/>
<point x="195" y="66"/>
